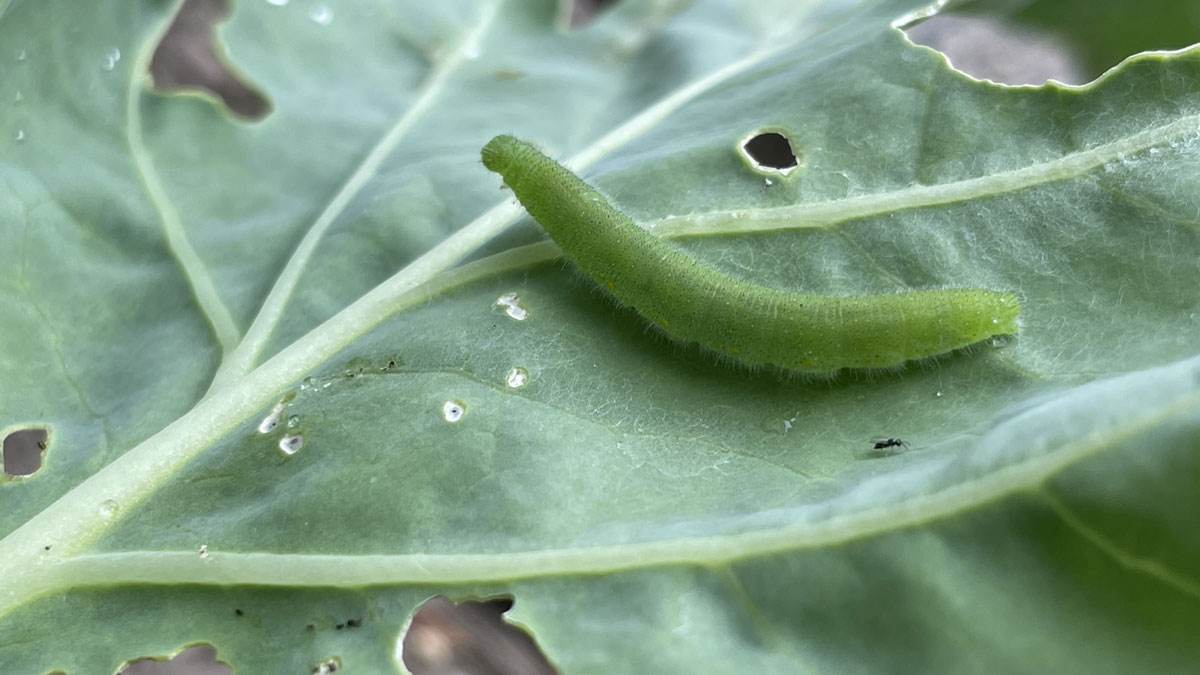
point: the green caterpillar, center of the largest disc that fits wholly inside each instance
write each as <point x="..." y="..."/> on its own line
<point x="753" y="324"/>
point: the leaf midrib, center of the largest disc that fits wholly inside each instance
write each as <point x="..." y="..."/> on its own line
<point x="345" y="571"/>
<point x="241" y="360"/>
<point x="73" y="521"/>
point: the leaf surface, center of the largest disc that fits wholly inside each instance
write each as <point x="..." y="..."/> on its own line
<point x="175" y="279"/>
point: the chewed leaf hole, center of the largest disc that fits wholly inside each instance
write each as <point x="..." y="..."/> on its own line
<point x="579" y="13"/>
<point x="471" y="636"/>
<point x="995" y="49"/>
<point x="291" y="444"/>
<point x="268" y="423"/>
<point x="332" y="664"/>
<point x="196" y="660"/>
<point x="23" y="450"/>
<point x="769" y="151"/>
<point x="190" y="57"/>
<point x="517" y="377"/>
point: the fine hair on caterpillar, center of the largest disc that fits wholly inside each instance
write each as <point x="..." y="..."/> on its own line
<point x="751" y="324"/>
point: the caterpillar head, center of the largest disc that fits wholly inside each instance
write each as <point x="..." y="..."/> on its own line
<point x="504" y="153"/>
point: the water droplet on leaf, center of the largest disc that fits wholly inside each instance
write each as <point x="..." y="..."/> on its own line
<point x="453" y="411"/>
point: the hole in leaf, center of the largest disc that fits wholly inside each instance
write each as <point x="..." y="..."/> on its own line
<point x="470" y="637"/>
<point x="991" y="48"/>
<point x="23" y="450"/>
<point x="330" y="665"/>
<point x="195" y="660"/>
<point x="1072" y="41"/>
<point x="500" y="604"/>
<point x="291" y="444"/>
<point x="189" y="57"/>
<point x="769" y="151"/>
<point x="582" y="12"/>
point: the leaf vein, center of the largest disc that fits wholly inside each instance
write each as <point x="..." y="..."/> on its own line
<point x="194" y="269"/>
<point x="823" y="214"/>
<point x="1140" y="564"/>
<point x="242" y="359"/>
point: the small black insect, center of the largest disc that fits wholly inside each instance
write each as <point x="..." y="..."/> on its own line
<point x="884" y="443"/>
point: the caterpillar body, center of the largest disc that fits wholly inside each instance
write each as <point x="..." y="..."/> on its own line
<point x="750" y="323"/>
